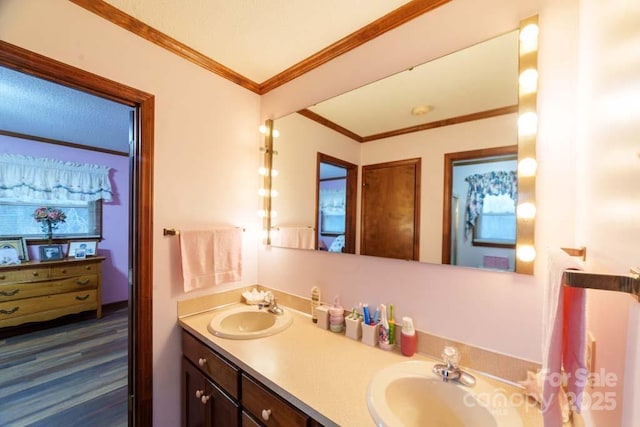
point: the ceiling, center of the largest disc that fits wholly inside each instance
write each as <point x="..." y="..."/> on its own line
<point x="257" y="40"/>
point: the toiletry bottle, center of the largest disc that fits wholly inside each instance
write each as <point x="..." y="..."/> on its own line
<point x="383" y="332"/>
<point x="315" y="302"/>
<point x="336" y="317"/>
<point x="392" y="326"/>
<point x="408" y="337"/>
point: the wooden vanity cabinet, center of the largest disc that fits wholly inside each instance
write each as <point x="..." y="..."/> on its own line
<point x="217" y="393"/>
<point x="38" y="291"/>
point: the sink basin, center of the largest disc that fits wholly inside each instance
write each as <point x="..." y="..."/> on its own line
<point x="409" y="394"/>
<point x="248" y="322"/>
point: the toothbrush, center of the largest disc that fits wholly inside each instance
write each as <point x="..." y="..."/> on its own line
<point x="365" y="313"/>
<point x="392" y="326"/>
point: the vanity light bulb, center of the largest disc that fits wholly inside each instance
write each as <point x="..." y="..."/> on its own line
<point x="528" y="124"/>
<point x="276" y="133"/>
<point x="263" y="171"/>
<point x="274" y="193"/>
<point x="263" y="129"/>
<point x="262" y="192"/>
<point x="526" y="253"/>
<point x="262" y="213"/>
<point x="274" y="172"/>
<point x="528" y="81"/>
<point x="274" y="214"/>
<point x="526" y="210"/>
<point x="529" y="38"/>
<point x="527" y="166"/>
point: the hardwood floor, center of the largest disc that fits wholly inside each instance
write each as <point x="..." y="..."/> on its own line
<point x="70" y="375"/>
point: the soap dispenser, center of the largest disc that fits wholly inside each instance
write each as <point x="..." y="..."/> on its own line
<point x="408" y="337"/>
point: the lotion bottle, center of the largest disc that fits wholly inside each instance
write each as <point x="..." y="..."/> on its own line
<point x="408" y="337"/>
<point x="315" y="303"/>
<point x="383" y="332"/>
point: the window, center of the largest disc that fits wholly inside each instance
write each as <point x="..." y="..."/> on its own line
<point x="496" y="224"/>
<point x="84" y="219"/>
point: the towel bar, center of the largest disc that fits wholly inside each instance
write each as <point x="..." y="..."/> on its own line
<point x="629" y="283"/>
<point x="174" y="232"/>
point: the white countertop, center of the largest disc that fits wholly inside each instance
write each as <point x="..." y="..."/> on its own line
<point x="323" y="373"/>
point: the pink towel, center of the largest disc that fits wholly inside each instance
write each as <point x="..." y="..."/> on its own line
<point x="295" y="237"/>
<point x="210" y="257"/>
<point x="563" y="338"/>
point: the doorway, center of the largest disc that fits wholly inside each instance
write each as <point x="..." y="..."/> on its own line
<point x="336" y="196"/>
<point x="391" y="210"/>
<point x="141" y="210"/>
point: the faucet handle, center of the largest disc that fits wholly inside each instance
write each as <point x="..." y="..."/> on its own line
<point x="451" y="356"/>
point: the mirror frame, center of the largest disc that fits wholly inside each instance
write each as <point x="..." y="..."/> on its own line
<point x="527" y="105"/>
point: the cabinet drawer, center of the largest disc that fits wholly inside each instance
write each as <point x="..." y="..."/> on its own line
<point x="269" y="408"/>
<point x="214" y="366"/>
<point x="28" y="306"/>
<point x="28" y="275"/>
<point x="75" y="270"/>
<point x="47" y="287"/>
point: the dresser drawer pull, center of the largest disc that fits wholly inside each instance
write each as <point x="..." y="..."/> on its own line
<point x="88" y="268"/>
<point x="82" y="282"/>
<point x="9" y="293"/>
<point x="35" y="274"/>
<point x="2" y="277"/>
<point x="63" y="271"/>
<point x="202" y="361"/>
<point x="13" y="310"/>
<point x="79" y="298"/>
<point x="266" y="413"/>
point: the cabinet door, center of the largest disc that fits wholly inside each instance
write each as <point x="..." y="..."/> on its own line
<point x="222" y="411"/>
<point x="193" y="389"/>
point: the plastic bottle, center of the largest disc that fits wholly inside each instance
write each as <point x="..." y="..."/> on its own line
<point x="408" y="337"/>
<point x="383" y="332"/>
<point x="315" y="302"/>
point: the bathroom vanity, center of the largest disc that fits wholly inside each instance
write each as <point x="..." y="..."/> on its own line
<point x="301" y="376"/>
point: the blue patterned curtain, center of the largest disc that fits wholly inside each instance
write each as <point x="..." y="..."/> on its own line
<point x="494" y="183"/>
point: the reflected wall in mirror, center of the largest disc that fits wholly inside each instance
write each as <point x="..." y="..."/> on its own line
<point x="465" y="101"/>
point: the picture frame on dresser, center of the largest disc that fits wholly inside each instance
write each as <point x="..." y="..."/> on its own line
<point x="17" y="243"/>
<point x="51" y="252"/>
<point x="82" y="248"/>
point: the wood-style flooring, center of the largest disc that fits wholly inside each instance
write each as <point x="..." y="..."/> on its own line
<point x="70" y="375"/>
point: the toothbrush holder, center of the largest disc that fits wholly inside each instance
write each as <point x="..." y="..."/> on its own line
<point x="370" y="334"/>
<point x="354" y="328"/>
<point x="323" y="317"/>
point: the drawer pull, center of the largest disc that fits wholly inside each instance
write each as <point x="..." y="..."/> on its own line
<point x="2" y="277"/>
<point x="63" y="271"/>
<point x="79" y="298"/>
<point x="88" y="268"/>
<point x="13" y="310"/>
<point x="205" y="399"/>
<point x="266" y="413"/>
<point x="82" y="282"/>
<point x="202" y="361"/>
<point x="35" y="274"/>
<point x="9" y="293"/>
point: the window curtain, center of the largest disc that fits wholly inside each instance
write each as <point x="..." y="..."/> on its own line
<point x="32" y="178"/>
<point x="495" y="183"/>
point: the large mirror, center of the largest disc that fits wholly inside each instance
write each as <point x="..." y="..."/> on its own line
<point x="385" y="169"/>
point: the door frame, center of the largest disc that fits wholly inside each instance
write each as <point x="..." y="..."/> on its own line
<point x="141" y="234"/>
<point x="449" y="160"/>
<point x="351" y="200"/>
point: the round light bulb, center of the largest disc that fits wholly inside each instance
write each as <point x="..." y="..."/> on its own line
<point x="526" y="253"/>
<point x="529" y="38"/>
<point x="276" y="133"/>
<point x="526" y="210"/>
<point x="274" y="193"/>
<point x="262" y="213"/>
<point x="274" y="214"/>
<point x="527" y="166"/>
<point x="263" y="129"/>
<point x="262" y="192"/>
<point x="274" y="172"/>
<point x="528" y="124"/>
<point x="528" y="81"/>
<point x="263" y="171"/>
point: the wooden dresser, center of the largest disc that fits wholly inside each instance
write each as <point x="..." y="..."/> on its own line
<point x="37" y="291"/>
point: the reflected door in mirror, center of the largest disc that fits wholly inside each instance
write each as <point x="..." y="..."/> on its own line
<point x="391" y="209"/>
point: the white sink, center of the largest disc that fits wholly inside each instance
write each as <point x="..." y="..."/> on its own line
<point x="248" y="322"/>
<point x="410" y="394"/>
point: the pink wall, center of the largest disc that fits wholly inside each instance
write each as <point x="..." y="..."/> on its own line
<point x="115" y="220"/>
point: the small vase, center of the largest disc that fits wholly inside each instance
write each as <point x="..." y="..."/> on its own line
<point x="49" y="233"/>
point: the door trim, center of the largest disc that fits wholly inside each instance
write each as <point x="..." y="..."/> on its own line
<point x="141" y="361"/>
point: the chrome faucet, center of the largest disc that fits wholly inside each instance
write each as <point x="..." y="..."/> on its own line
<point x="271" y="304"/>
<point x="450" y="371"/>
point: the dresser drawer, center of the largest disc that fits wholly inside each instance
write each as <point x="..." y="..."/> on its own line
<point x="214" y="366"/>
<point x="20" y="276"/>
<point x="75" y="270"/>
<point x="47" y="287"/>
<point x="29" y="306"/>
<point x="269" y="408"/>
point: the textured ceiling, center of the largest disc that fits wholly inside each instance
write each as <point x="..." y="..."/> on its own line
<point x="37" y="107"/>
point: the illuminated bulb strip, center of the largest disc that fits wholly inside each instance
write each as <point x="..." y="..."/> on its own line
<point x="527" y="166"/>
<point x="528" y="124"/>
<point x="264" y="171"/>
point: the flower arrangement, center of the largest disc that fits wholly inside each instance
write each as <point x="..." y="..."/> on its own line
<point x="49" y="218"/>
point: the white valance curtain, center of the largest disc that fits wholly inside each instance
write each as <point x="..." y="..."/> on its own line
<point x="28" y="178"/>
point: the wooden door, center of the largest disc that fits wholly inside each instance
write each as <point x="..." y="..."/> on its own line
<point x="391" y="210"/>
